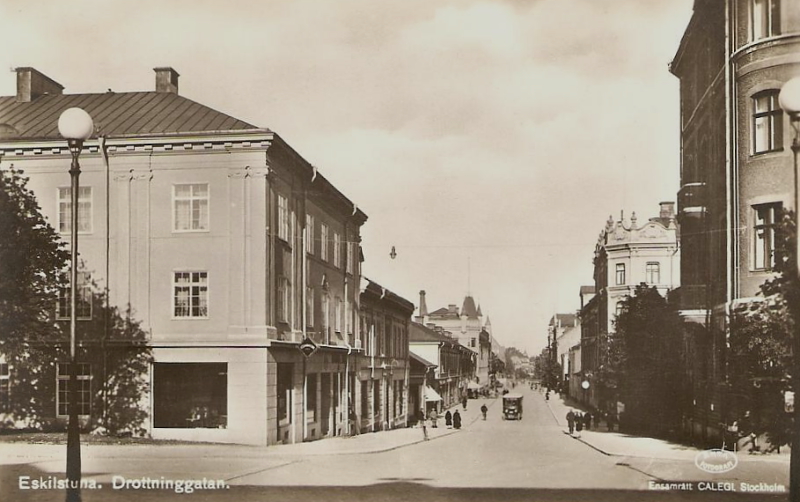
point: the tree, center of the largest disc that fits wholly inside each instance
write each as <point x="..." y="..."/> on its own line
<point x="641" y="366"/>
<point x="761" y="334"/>
<point x="31" y="259"/>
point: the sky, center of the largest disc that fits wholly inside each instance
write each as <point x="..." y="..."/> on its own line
<point x="488" y="141"/>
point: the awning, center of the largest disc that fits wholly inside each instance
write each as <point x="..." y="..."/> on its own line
<point x="473" y="386"/>
<point x="431" y="394"/>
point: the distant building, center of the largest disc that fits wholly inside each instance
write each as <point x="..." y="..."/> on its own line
<point x="627" y="254"/>
<point x="566" y="329"/>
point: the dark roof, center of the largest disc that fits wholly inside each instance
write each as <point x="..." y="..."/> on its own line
<point x="419" y="333"/>
<point x="444" y="313"/>
<point x="115" y="114"/>
<point x="469" y="309"/>
<point x="422" y="360"/>
<point x="587" y="290"/>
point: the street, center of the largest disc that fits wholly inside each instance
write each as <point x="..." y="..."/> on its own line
<point x="531" y="459"/>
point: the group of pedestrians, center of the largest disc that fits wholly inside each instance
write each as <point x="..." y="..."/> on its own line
<point x="451" y="420"/>
<point x="577" y="421"/>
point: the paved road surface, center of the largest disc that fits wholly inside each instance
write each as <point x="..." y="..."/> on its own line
<point x="527" y="460"/>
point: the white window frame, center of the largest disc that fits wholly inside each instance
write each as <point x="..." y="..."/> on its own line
<point x="766" y="125"/>
<point x="763" y="23"/>
<point x="337" y="315"/>
<point x="310" y="234"/>
<point x="191" y="284"/>
<point x="652" y="272"/>
<point x="309" y="306"/>
<point x="349" y="257"/>
<point x="85" y="202"/>
<point x="284" y="300"/>
<point x="323" y="241"/>
<point x="283" y="217"/>
<point x="337" y="250"/>
<point x="764" y="246"/>
<point x="202" y="225"/>
<point x="619" y="277"/>
<point x="62" y="379"/>
<point x="84" y="298"/>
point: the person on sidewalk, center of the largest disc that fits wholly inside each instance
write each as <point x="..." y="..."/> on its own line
<point x="571" y="421"/>
<point x="434" y="419"/>
<point x="578" y="424"/>
<point x="457" y="420"/>
<point x="448" y="419"/>
<point x="464" y="402"/>
<point x="587" y="420"/>
<point x="484" y="409"/>
<point x="423" y="422"/>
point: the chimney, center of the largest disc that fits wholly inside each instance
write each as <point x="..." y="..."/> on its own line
<point x="423" y="307"/>
<point x="31" y="84"/>
<point x="166" y="79"/>
<point x="667" y="210"/>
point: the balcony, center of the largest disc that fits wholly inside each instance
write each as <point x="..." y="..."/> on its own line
<point x="689" y="297"/>
<point x="692" y="200"/>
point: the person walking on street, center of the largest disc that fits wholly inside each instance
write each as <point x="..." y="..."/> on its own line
<point x="456" y="420"/>
<point x="578" y="424"/>
<point x="423" y="422"/>
<point x="448" y="419"/>
<point x="464" y="402"/>
<point x="434" y="419"/>
<point x="484" y="409"/>
<point x="571" y="421"/>
<point x="587" y="420"/>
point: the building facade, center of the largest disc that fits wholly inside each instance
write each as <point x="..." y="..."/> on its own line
<point x="220" y="241"/>
<point x="566" y="329"/>
<point x="627" y="254"/>
<point x="382" y="378"/>
<point x="736" y="174"/>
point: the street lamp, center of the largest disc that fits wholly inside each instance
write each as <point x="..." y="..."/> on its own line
<point x="789" y="100"/>
<point x="75" y="125"/>
<point x="585" y="386"/>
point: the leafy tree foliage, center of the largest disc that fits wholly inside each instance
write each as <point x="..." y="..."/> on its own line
<point x="761" y="346"/>
<point x="31" y="258"/>
<point x="641" y="365"/>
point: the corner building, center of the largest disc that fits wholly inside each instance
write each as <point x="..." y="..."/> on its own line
<point x="736" y="173"/>
<point x="225" y="245"/>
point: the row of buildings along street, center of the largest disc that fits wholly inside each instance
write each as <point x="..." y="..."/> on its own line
<point x="210" y="253"/>
<point x="710" y="256"/>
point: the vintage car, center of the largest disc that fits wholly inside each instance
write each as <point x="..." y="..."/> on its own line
<point x="512" y="407"/>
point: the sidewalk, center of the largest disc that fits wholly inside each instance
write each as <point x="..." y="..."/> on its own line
<point x="625" y="445"/>
<point x="376" y="442"/>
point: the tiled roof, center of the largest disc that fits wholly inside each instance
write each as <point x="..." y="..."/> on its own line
<point x="419" y="333"/>
<point x="114" y="114"/>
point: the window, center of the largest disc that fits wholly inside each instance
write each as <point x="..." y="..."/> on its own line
<point x="472" y="342"/>
<point x="323" y="241"/>
<point x="190" y="207"/>
<point x="190" y="294"/>
<point x="767" y="122"/>
<point x="83" y="306"/>
<point x="311" y="397"/>
<point x="766" y="216"/>
<point x="309" y="306"/>
<point x="653" y="273"/>
<point x="84" y="210"/>
<point x="337" y="250"/>
<point x="618" y="309"/>
<point x="364" y="400"/>
<point x="620" y="274"/>
<point x="284" y="289"/>
<point x="764" y="19"/>
<point x="283" y="218"/>
<point x="325" y="313"/>
<point x="5" y="387"/>
<point x="84" y="389"/>
<point x="349" y="257"/>
<point x="337" y="316"/>
<point x="190" y="395"/>
<point x="309" y="234"/>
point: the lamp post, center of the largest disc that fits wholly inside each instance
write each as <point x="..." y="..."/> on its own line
<point x="789" y="99"/>
<point x="75" y="125"/>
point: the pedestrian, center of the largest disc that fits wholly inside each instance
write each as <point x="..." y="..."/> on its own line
<point x="457" y="420"/>
<point x="434" y="419"/>
<point x="464" y="402"/>
<point x="578" y="424"/>
<point x="484" y="409"/>
<point x="571" y="421"/>
<point x="587" y="420"/>
<point x="422" y="421"/>
<point x="448" y="419"/>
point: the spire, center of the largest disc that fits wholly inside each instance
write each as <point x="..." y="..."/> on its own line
<point x="468" y="309"/>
